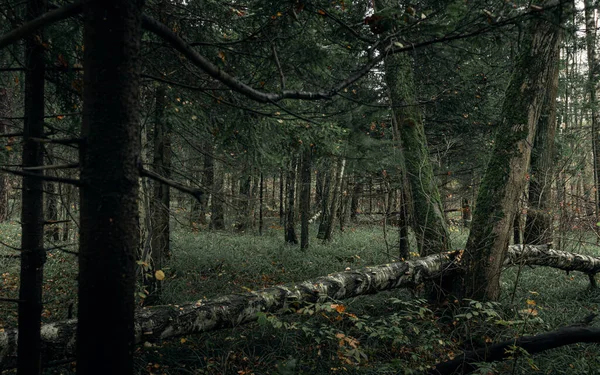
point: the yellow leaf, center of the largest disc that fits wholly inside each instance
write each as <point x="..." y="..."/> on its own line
<point x="8" y="148"/>
<point x="60" y="117"/>
<point x="222" y="55"/>
<point x="183" y="340"/>
<point x="531" y="302"/>
<point x="160" y="275"/>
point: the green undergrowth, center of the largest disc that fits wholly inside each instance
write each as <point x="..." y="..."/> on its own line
<point x="394" y="332"/>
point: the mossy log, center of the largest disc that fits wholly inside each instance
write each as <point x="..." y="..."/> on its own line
<point x="153" y="324"/>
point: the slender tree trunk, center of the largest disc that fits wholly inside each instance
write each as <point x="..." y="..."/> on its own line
<point x="217" y="217"/>
<point x="33" y="254"/>
<point x="305" y="197"/>
<point x="5" y="113"/>
<point x="593" y="87"/>
<point x="244" y="219"/>
<point x="208" y="176"/>
<point x="52" y="230"/>
<point x="426" y="205"/>
<point x="261" y="188"/>
<point x="109" y="158"/>
<point x="335" y="196"/>
<point x="538" y="224"/>
<point x="355" y="202"/>
<point x="505" y="177"/>
<point x="161" y="197"/>
<point x="290" y="218"/>
<point x="326" y="195"/>
<point x="281" y="195"/>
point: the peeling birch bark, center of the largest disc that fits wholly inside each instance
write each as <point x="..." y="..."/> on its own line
<point x="153" y="324"/>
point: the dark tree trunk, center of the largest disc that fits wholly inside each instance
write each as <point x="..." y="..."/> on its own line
<point x="33" y="254"/>
<point x="328" y="179"/>
<point x="217" y="217"/>
<point x="52" y="230"/>
<point x="261" y="187"/>
<point x="355" y="203"/>
<point x="403" y="244"/>
<point x="505" y="177"/>
<point x="161" y="197"/>
<point x="208" y="176"/>
<point x="244" y="219"/>
<point x="67" y="199"/>
<point x="319" y="188"/>
<point x="109" y="158"/>
<point x="305" y="197"/>
<point x="333" y="207"/>
<point x="290" y="218"/>
<point x="281" y="195"/>
<point x="517" y="228"/>
<point x="5" y="114"/>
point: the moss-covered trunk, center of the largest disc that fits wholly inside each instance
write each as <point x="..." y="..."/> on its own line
<point x="425" y="205"/>
<point x="506" y="174"/>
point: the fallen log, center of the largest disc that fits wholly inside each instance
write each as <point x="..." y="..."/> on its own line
<point x="466" y="362"/>
<point x="153" y="324"/>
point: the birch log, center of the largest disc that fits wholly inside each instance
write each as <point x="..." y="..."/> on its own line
<point x="162" y="322"/>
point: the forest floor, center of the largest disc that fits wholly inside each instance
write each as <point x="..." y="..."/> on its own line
<point x="394" y="332"/>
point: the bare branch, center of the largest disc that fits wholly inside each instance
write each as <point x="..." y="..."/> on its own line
<point x="56" y="166"/>
<point x="70" y="181"/>
<point x="276" y="58"/>
<point x="196" y="193"/>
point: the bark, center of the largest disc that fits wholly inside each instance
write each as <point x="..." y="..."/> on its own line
<point x="52" y="230"/>
<point x="33" y="254"/>
<point x="161" y="322"/>
<point x="261" y="191"/>
<point x="425" y="207"/>
<point x="355" y="202"/>
<point x="305" y="198"/>
<point x="217" y="217"/>
<point x="538" y="224"/>
<point x="592" y="88"/>
<point x="281" y="202"/>
<point x="290" y="217"/>
<point x="5" y="113"/>
<point x="161" y="197"/>
<point x="244" y="218"/>
<point x="505" y="177"/>
<point x="466" y="362"/>
<point x="109" y="159"/>
<point x="327" y="181"/>
<point x="208" y="177"/>
<point x="329" y="220"/>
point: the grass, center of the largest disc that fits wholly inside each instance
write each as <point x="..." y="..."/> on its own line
<point x="387" y="333"/>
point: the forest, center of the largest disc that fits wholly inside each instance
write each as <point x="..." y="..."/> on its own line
<point x="299" y="187"/>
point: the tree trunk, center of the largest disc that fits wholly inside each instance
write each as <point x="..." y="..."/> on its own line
<point x="290" y="218"/>
<point x="538" y="224"/>
<point x="329" y="220"/>
<point x="208" y="176"/>
<point x="161" y="197"/>
<point x="5" y="114"/>
<point x="261" y="187"/>
<point x="52" y="230"/>
<point x="425" y="202"/>
<point x="244" y="219"/>
<point x="328" y="180"/>
<point x="217" y="217"/>
<point x="505" y="177"/>
<point x="305" y="197"/>
<point x="281" y="195"/>
<point x="593" y="87"/>
<point x="355" y="202"/>
<point x="33" y="254"/>
<point x="109" y="158"/>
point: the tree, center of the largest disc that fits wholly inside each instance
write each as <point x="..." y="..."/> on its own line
<point x="425" y="203"/>
<point x="505" y="176"/>
<point x="110" y="161"/>
<point x="33" y="254"/>
<point x="305" y="178"/>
